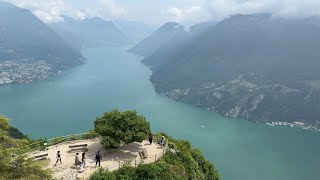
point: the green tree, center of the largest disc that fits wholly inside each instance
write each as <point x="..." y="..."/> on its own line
<point x="116" y="127"/>
<point x="17" y="167"/>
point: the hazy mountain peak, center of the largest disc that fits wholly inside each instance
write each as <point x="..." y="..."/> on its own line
<point x="169" y="26"/>
<point x="158" y="38"/>
<point x="90" y="32"/>
<point x="7" y="5"/>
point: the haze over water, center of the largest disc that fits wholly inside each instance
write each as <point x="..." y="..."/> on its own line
<point x="241" y="150"/>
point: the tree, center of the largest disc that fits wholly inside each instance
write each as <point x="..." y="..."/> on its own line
<point x="116" y="127"/>
<point x="17" y="167"/>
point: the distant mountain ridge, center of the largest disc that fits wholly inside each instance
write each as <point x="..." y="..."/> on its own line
<point x="157" y="39"/>
<point x="256" y="67"/>
<point x="23" y="35"/>
<point x="89" y="32"/>
<point x="134" y="31"/>
<point x="29" y="49"/>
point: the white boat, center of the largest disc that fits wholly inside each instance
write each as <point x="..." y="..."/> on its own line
<point x="270" y="124"/>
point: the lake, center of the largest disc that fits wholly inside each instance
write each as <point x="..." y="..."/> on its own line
<point x="241" y="150"/>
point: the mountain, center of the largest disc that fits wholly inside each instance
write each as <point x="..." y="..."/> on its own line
<point x="256" y="67"/>
<point x="135" y="31"/>
<point x="89" y="32"/>
<point x="29" y="49"/>
<point x="23" y="35"/>
<point x="158" y="38"/>
<point x="167" y="51"/>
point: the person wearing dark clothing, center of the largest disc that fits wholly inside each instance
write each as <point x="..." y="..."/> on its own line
<point x="83" y="159"/>
<point x="58" y="156"/>
<point x="150" y="138"/>
<point x="98" y="158"/>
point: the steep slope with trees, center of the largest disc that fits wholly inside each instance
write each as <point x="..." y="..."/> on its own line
<point x="12" y="167"/>
<point x="256" y="67"/>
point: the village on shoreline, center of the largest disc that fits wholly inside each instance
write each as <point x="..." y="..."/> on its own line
<point x="296" y="124"/>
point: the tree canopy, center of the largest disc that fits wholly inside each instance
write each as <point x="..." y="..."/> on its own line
<point x="117" y="126"/>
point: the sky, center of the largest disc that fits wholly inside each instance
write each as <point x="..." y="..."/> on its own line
<point x="157" y="12"/>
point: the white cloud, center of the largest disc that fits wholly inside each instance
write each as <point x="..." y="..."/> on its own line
<point x="187" y="16"/>
<point x="189" y="12"/>
<point x="112" y="8"/>
<point x="49" y="11"/>
<point x="106" y="9"/>
<point x="220" y="9"/>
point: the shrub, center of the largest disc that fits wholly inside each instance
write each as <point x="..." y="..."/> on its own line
<point x="90" y="135"/>
<point x="102" y="174"/>
<point x="58" y="140"/>
<point x="116" y="127"/>
<point x="126" y="173"/>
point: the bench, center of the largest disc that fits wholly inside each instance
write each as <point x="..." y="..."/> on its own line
<point x="79" y="147"/>
<point x="143" y="153"/>
<point x="41" y="157"/>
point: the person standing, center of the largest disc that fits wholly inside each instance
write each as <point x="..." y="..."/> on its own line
<point x="58" y="156"/>
<point x="150" y="138"/>
<point x="76" y="160"/>
<point x="162" y="142"/>
<point x="83" y="159"/>
<point x="98" y="158"/>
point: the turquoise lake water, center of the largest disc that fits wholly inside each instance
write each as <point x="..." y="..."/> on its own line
<point x="113" y="78"/>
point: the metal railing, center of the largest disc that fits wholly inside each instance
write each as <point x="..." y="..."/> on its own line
<point x="43" y="144"/>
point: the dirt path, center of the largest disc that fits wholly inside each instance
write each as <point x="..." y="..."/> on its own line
<point x="110" y="158"/>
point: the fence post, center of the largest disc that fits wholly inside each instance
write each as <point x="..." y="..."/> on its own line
<point x="119" y="164"/>
<point x="135" y="162"/>
<point x="155" y="157"/>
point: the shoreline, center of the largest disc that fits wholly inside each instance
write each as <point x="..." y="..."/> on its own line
<point x="292" y="124"/>
<point x="295" y="124"/>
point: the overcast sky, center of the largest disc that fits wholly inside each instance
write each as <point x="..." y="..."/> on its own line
<point x="157" y="12"/>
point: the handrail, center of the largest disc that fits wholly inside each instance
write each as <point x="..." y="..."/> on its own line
<point x="49" y="142"/>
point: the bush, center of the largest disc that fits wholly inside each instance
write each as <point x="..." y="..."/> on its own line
<point x="172" y="146"/>
<point x="73" y="138"/>
<point x="102" y="174"/>
<point x="116" y="127"/>
<point x="126" y="173"/>
<point x="58" y="140"/>
<point x="90" y="135"/>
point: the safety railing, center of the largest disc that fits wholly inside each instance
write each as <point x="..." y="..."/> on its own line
<point x="44" y="143"/>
